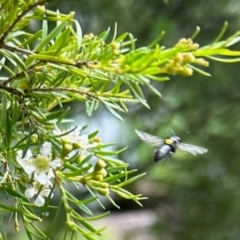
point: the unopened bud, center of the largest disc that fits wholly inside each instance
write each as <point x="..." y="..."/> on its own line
<point x="178" y="57"/>
<point x="100" y="164"/>
<point x="188" y="57"/>
<point x="187" y="71"/>
<point x="103" y="191"/>
<point x="34" y="138"/>
<point x="97" y="177"/>
<point x="16" y="226"/>
<point x="67" y="148"/>
<point x="202" y="61"/>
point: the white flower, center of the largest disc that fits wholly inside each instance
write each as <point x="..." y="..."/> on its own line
<point x="42" y="166"/>
<point x="83" y="141"/>
<point x="26" y="161"/>
<point x="45" y="190"/>
<point x="46" y="149"/>
<point x="71" y="137"/>
<point x="80" y="143"/>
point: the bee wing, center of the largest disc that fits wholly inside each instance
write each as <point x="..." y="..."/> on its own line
<point x="194" y="150"/>
<point x="150" y="139"/>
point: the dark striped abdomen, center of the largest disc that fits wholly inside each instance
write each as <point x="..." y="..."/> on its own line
<point x="162" y="152"/>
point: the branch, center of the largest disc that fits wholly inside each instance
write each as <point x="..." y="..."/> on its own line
<point x="18" y="17"/>
<point x="62" y="89"/>
<point x="13" y="78"/>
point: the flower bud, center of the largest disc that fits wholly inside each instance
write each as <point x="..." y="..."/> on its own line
<point x="67" y="148"/>
<point x="188" y="57"/>
<point x="96" y="139"/>
<point x="79" y="158"/>
<point x="103" y="185"/>
<point x="97" y="177"/>
<point x="100" y="164"/>
<point x="70" y="225"/>
<point x="76" y="145"/>
<point x="16" y="226"/>
<point x="103" y="191"/>
<point x="202" y="61"/>
<point x="103" y="172"/>
<point x="187" y="71"/>
<point x="178" y="57"/>
<point x="34" y="138"/>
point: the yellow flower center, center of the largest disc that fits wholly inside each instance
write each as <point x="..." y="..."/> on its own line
<point x="42" y="163"/>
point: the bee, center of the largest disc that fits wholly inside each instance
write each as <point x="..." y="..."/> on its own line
<point x="167" y="147"/>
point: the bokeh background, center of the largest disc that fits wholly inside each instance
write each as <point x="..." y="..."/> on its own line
<point x="190" y="198"/>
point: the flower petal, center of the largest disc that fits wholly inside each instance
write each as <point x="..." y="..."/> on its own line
<point x="29" y="169"/>
<point x="45" y="192"/>
<point x="83" y="140"/>
<point x="46" y="149"/>
<point x="29" y="192"/>
<point x="50" y="174"/>
<point x="28" y="154"/>
<point x="39" y="201"/>
<point x="41" y="177"/>
<point x="55" y="163"/>
<point x="20" y="159"/>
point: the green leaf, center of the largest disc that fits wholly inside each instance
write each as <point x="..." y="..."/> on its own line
<point x="38" y="232"/>
<point x="111" y="110"/>
<point x="51" y="58"/>
<point x="78" y="34"/>
<point x="200" y="71"/>
<point x="157" y="39"/>
<point x="104" y="153"/>
<point x="92" y="135"/>
<point x="13" y="58"/>
<point x="113" y="202"/>
<point x="131" y="180"/>
<point x="44" y="29"/>
<point x="97" y="217"/>
<point x="137" y="92"/>
<point x="113" y="161"/>
<point x="158" y="78"/>
<point x="150" y="71"/>
<point x="54" y="33"/>
<point x="104" y="35"/>
<point x="9" y="208"/>
<point x="80" y="204"/>
<point x="222" y="32"/>
<point x="3" y="228"/>
<point x="86" y="224"/>
<point x="154" y="90"/>
<point x="2" y="62"/>
<point x="224" y="60"/>
<point x="60" y="42"/>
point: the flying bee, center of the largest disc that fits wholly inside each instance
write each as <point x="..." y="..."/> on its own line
<point x="166" y="147"/>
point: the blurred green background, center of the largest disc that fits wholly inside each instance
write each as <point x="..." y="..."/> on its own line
<point x="189" y="197"/>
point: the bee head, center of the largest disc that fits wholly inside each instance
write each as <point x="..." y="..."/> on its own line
<point x="175" y="141"/>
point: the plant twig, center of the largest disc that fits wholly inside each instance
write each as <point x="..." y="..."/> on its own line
<point x="63" y="89"/>
<point x="19" y="74"/>
<point x="15" y="49"/>
<point x="18" y="17"/>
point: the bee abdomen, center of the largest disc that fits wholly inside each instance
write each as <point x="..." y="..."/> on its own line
<point x="162" y="152"/>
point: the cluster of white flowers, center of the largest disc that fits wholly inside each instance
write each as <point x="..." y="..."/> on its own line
<point x="41" y="169"/>
<point x="73" y="137"/>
